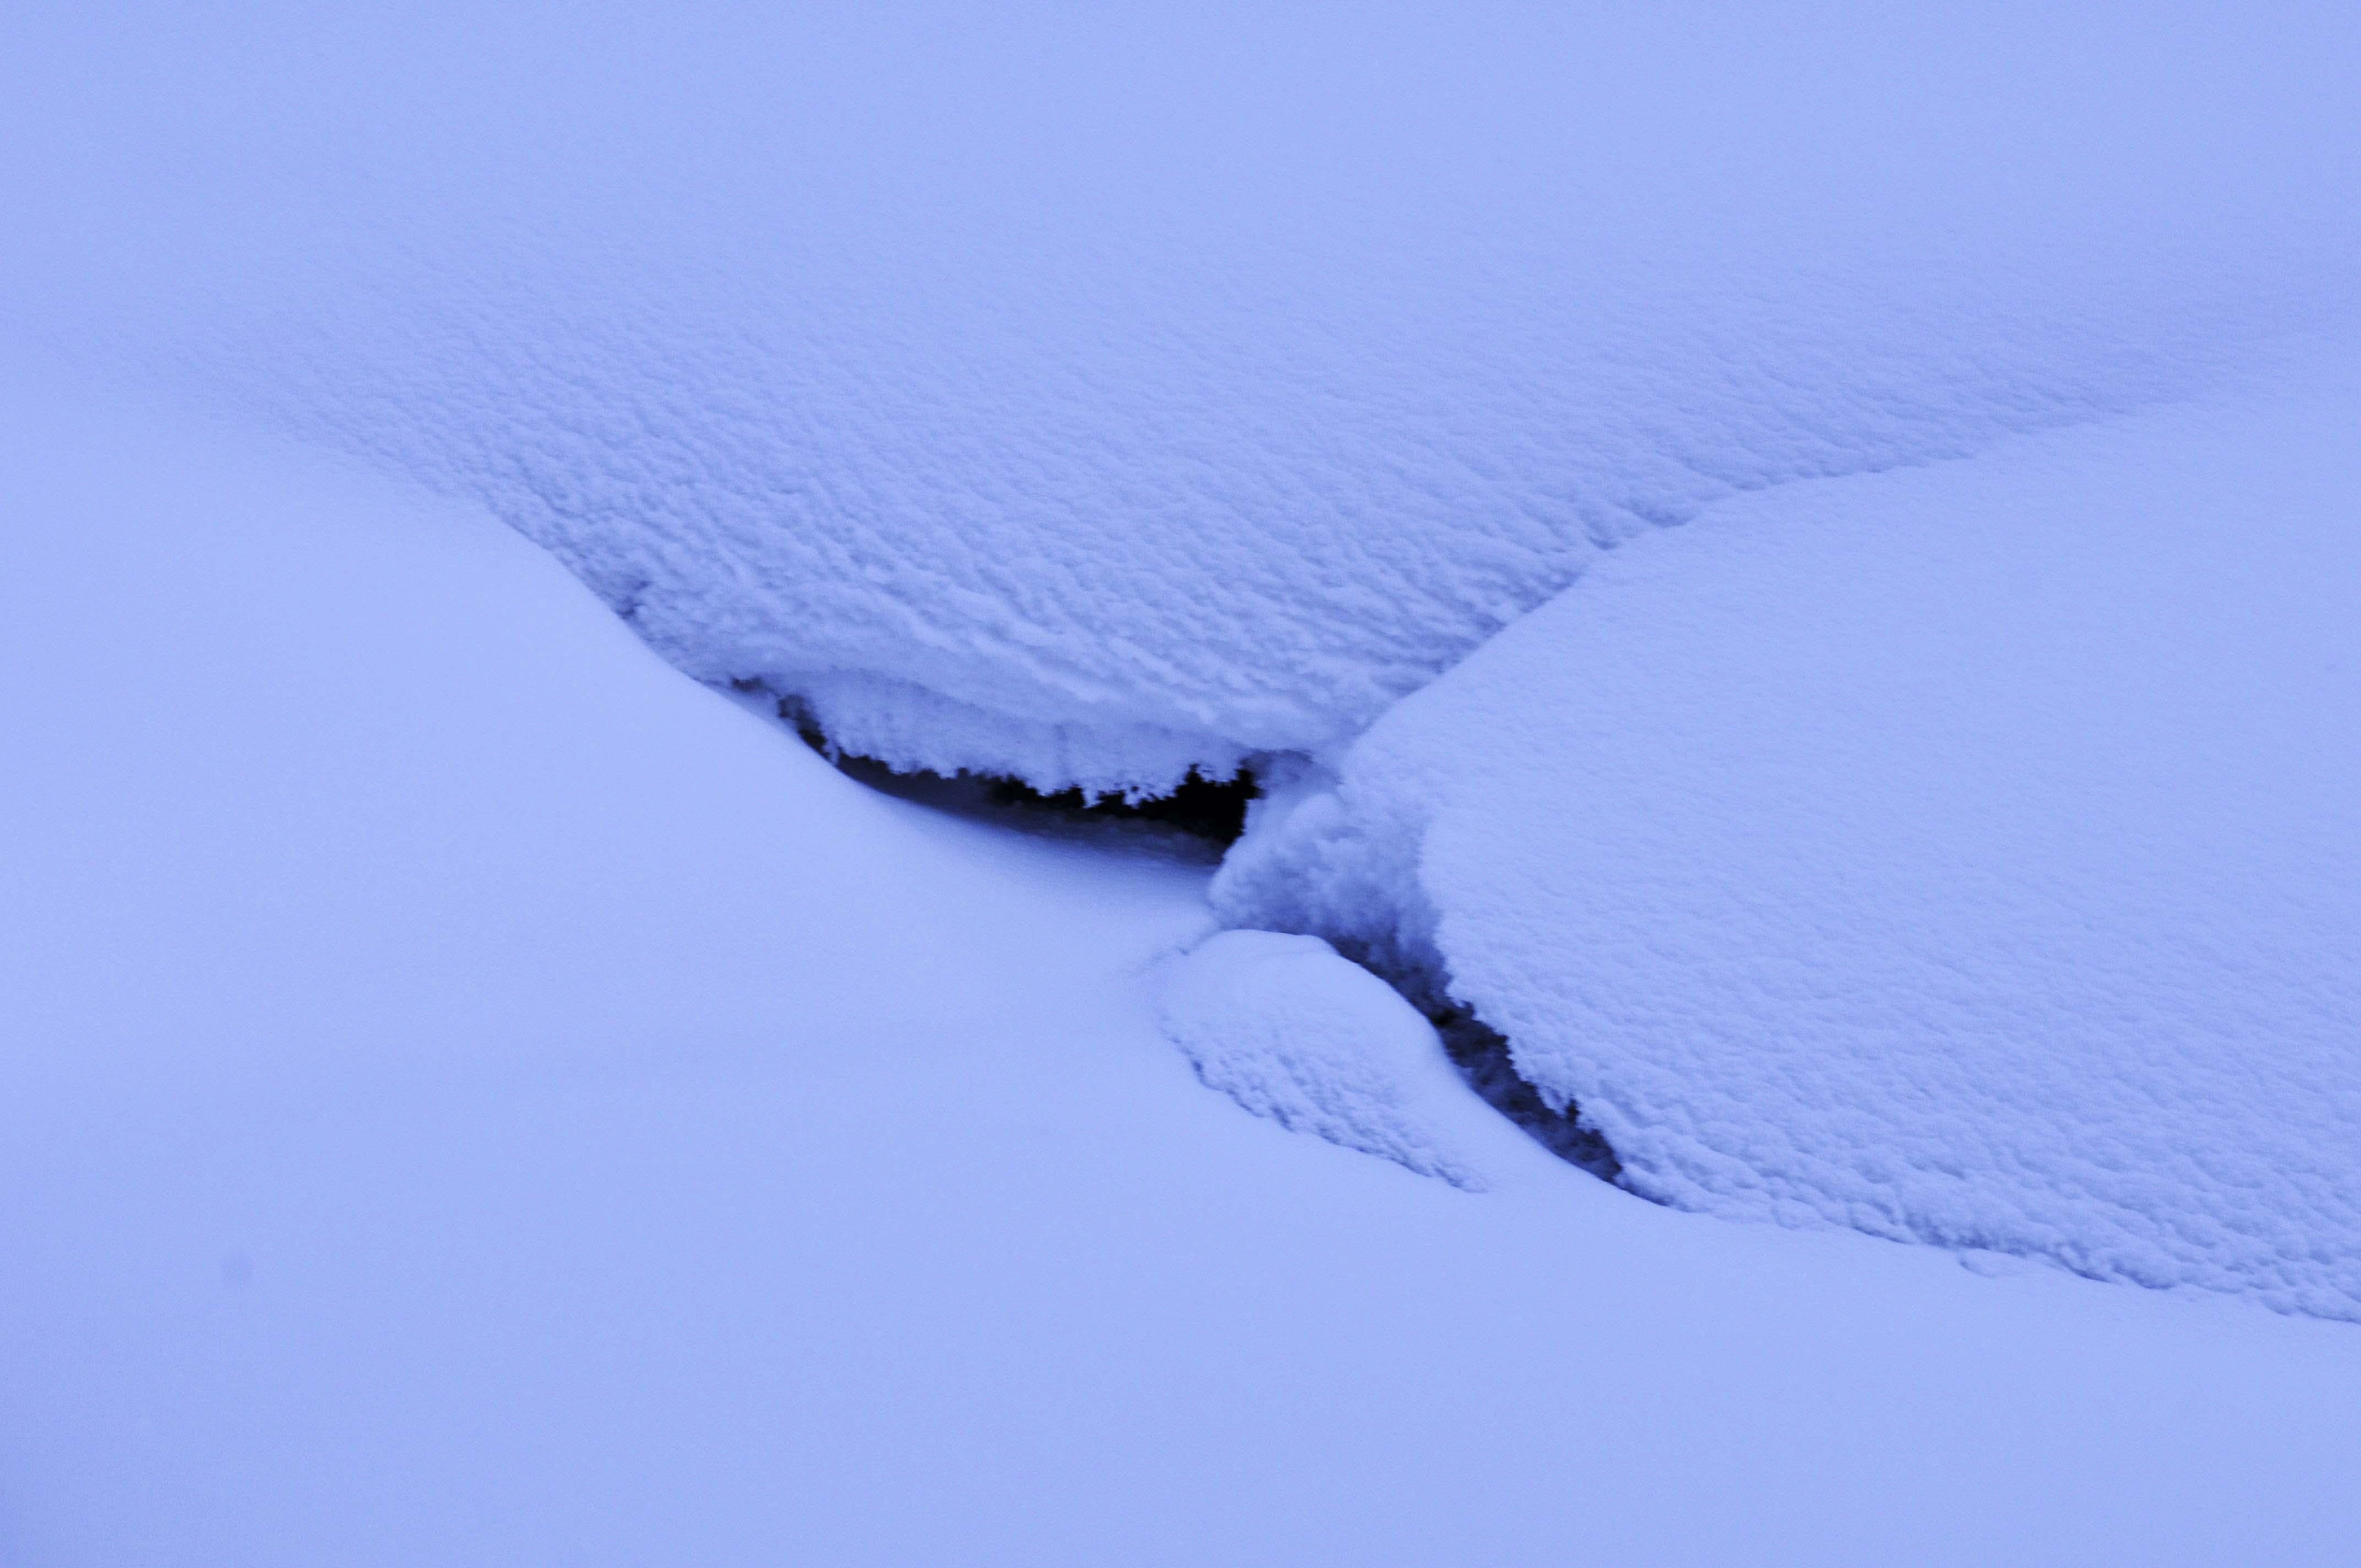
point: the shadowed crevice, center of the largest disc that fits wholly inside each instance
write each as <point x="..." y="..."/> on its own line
<point x="1481" y="1054"/>
<point x="1197" y="820"/>
<point x="1485" y="1061"/>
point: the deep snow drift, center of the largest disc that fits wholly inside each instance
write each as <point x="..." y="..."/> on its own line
<point x="1969" y="854"/>
<point x="473" y="1097"/>
<point x="1084" y="397"/>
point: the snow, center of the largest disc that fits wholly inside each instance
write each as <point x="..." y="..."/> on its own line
<point x="1291" y="1030"/>
<point x="1797" y="564"/>
<point x="473" y="1096"/>
<point x="1969" y="854"/>
<point x="1090" y="396"/>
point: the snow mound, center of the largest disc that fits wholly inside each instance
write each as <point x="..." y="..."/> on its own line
<point x="1969" y="854"/>
<point x="470" y="1097"/>
<point x="1291" y="1031"/>
<point x="1089" y="397"/>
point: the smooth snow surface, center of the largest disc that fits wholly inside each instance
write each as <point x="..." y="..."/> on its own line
<point x="1969" y="854"/>
<point x="473" y="1097"/>
<point x="1085" y="393"/>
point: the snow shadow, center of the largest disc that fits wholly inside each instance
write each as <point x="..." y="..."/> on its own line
<point x="1196" y="823"/>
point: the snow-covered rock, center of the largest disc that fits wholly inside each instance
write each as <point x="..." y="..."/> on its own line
<point x="1968" y="853"/>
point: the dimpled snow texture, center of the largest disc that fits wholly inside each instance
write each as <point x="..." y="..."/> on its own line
<point x="1969" y="854"/>
<point x="1291" y="1031"/>
<point x="1088" y="397"/>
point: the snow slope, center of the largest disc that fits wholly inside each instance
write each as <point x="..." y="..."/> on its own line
<point x="471" y="1096"/>
<point x="1969" y="854"/>
<point x="1085" y="393"/>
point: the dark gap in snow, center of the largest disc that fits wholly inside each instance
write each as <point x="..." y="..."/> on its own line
<point x="1211" y="809"/>
<point x="1197" y="821"/>
<point x="1481" y="1054"/>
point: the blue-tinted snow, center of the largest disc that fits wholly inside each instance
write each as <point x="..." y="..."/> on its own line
<point x="1291" y="1030"/>
<point x="1967" y="854"/>
<point x="1087" y="396"/>
<point x="469" y="1096"/>
<point x="479" y="1103"/>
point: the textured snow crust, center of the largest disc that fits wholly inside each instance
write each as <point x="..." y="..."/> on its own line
<point x="1084" y="398"/>
<point x="1291" y="1031"/>
<point x="472" y="1098"/>
<point x="1969" y="854"/>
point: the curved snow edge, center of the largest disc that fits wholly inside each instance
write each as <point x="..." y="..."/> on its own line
<point x="911" y="729"/>
<point x="1320" y="858"/>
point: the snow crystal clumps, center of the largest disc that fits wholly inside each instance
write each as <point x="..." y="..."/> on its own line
<point x="1094" y="398"/>
<point x="1291" y="1031"/>
<point x="1969" y="854"/>
<point x="914" y="729"/>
